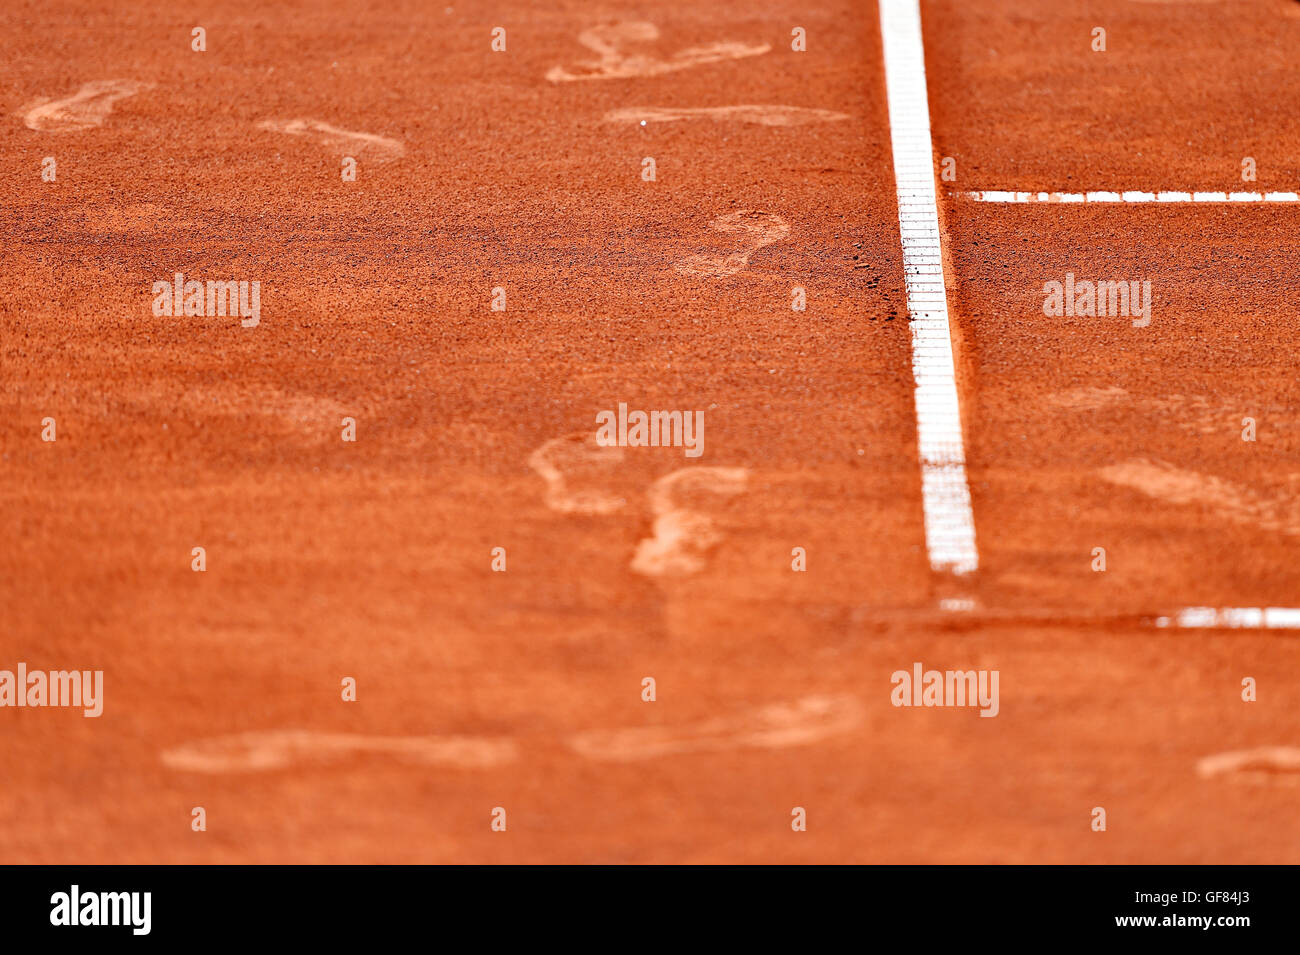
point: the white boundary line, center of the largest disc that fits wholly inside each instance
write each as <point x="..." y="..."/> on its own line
<point x="1132" y="196"/>
<point x="945" y="494"/>
<point x="1254" y="618"/>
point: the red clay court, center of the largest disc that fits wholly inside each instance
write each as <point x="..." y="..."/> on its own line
<point x="429" y="594"/>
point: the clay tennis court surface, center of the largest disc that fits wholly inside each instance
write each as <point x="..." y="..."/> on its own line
<point x="522" y="170"/>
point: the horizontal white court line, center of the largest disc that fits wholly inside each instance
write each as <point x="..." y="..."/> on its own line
<point x="1255" y="618"/>
<point x="1022" y="197"/>
<point x="945" y="493"/>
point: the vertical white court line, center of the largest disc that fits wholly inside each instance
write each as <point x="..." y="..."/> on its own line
<point x="945" y="494"/>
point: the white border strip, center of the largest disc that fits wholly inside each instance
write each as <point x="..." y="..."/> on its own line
<point x="1132" y="196"/>
<point x="1254" y="618"/>
<point x="945" y="494"/>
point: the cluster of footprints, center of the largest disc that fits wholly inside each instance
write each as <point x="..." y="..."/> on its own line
<point x="682" y="536"/>
<point x="680" y="540"/>
<point x="775" y="725"/>
<point x="804" y="721"/>
<point x="613" y="63"/>
<point x="91" y="105"/>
